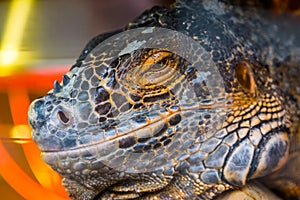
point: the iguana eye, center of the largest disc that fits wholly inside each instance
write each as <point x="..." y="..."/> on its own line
<point x="245" y="76"/>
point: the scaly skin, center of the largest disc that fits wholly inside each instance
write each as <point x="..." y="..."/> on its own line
<point x="125" y="128"/>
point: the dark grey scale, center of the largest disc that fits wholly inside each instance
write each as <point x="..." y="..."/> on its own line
<point x="98" y="62"/>
<point x="118" y="99"/>
<point x="161" y="131"/>
<point x="124" y="89"/>
<point x="88" y="155"/>
<point x="188" y="113"/>
<point x="207" y="101"/>
<point x="102" y="119"/>
<point x="109" y="124"/>
<point x="185" y="128"/>
<point x="139" y="105"/>
<point x="95" y="81"/>
<point x="204" y="57"/>
<point x="101" y="95"/>
<point x="126" y="107"/>
<point x="157" y="145"/>
<point x="93" y="119"/>
<point x="143" y="139"/>
<point x="92" y="93"/>
<point x="120" y="152"/>
<point x="167" y="141"/>
<point x="169" y="131"/>
<point x="191" y="73"/>
<point x="117" y="161"/>
<point x="113" y="113"/>
<point x="135" y="97"/>
<point x="138" y="148"/>
<point x="182" y="167"/>
<point x="53" y="129"/>
<point x="77" y="82"/>
<point x="60" y="134"/>
<point x="82" y="125"/>
<point x="147" y="147"/>
<point x="140" y="119"/>
<point x="173" y="98"/>
<point x="85" y="109"/>
<point x="201" y="90"/>
<point x="70" y="141"/>
<point x="85" y="85"/>
<point x="73" y="93"/>
<point x="127" y="142"/>
<point x="158" y="97"/>
<point x="49" y="98"/>
<point x="194" y="127"/>
<point x="165" y="104"/>
<point x="216" y="55"/>
<point x="207" y="116"/>
<point x="49" y="108"/>
<point x="163" y="110"/>
<point x="102" y="71"/>
<point x="103" y="109"/>
<point x="73" y="102"/>
<point x="163" y="138"/>
<point x="116" y="63"/>
<point x="174" y="119"/>
<point x="152" y="141"/>
<point x="176" y="88"/>
<point x="57" y="101"/>
<point x="172" y="147"/>
<point x="83" y="96"/>
<point x="65" y="99"/>
<point x="88" y="73"/>
<point x="48" y="103"/>
<point x="112" y="82"/>
<point x="183" y="66"/>
<point x="89" y="58"/>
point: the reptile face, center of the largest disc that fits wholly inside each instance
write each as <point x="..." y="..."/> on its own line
<point x="150" y="120"/>
<point x="150" y="111"/>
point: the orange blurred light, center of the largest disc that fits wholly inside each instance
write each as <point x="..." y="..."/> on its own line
<point x="47" y="184"/>
<point x="19" y="103"/>
<point x="20" y="133"/>
<point x="20" y="181"/>
<point x="43" y="173"/>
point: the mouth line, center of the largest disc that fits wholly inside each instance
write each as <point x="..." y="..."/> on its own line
<point x="124" y="134"/>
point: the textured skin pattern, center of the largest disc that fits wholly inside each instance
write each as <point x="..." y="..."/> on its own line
<point x="115" y="132"/>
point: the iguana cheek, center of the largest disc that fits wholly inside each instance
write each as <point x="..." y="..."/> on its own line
<point x="252" y="160"/>
<point x="273" y="156"/>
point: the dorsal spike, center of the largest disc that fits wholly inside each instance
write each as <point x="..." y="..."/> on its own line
<point x="57" y="87"/>
<point x="66" y="80"/>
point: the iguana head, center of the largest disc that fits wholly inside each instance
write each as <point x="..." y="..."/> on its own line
<point x="163" y="106"/>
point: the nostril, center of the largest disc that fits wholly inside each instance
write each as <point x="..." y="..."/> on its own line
<point x="62" y="116"/>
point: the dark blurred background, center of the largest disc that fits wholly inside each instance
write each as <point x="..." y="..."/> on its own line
<point x="56" y="30"/>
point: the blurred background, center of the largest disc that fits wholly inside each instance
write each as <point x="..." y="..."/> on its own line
<point x="39" y="41"/>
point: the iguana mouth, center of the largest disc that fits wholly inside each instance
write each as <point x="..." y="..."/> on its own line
<point x="157" y="127"/>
